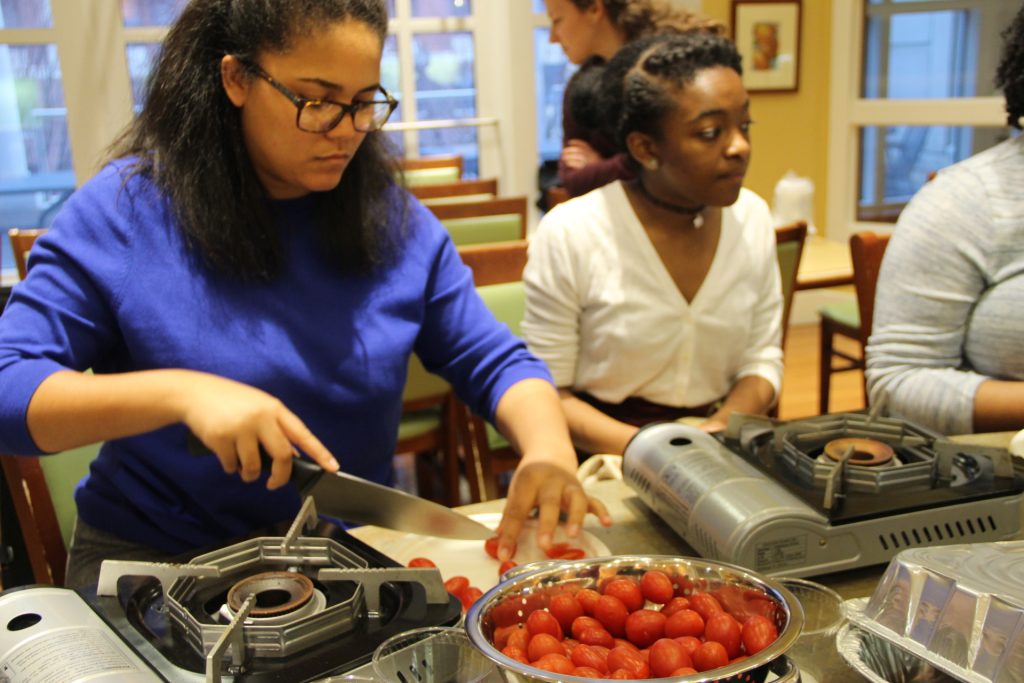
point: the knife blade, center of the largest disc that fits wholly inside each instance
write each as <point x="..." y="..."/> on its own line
<point x="354" y="499"/>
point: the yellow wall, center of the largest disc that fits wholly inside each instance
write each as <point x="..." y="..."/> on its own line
<point x="791" y="129"/>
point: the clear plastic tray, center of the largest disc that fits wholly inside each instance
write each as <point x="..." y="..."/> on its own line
<point x="959" y="608"/>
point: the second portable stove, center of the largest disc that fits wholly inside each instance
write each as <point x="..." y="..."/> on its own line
<point x="823" y="494"/>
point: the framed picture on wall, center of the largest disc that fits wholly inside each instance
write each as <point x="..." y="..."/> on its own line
<point x="767" y="34"/>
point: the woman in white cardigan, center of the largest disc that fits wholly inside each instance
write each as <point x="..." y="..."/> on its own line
<point x="659" y="298"/>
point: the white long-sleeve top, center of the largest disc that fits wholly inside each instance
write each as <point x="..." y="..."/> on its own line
<point x="605" y="315"/>
<point x="949" y="308"/>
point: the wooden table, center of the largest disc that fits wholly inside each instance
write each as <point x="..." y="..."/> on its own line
<point x="638" y="530"/>
<point x="824" y="263"/>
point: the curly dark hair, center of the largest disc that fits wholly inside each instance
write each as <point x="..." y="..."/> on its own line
<point x="188" y="139"/>
<point x="639" y="83"/>
<point x="638" y="18"/>
<point x="1010" y="74"/>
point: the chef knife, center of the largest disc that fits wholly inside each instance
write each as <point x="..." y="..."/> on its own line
<point x="354" y="499"/>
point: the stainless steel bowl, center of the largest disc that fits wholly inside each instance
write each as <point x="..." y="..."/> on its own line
<point x="533" y="585"/>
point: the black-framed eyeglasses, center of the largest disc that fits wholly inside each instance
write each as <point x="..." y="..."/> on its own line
<point x="321" y="116"/>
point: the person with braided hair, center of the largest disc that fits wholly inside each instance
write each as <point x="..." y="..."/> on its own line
<point x="590" y="33"/>
<point x="659" y="298"/>
<point x="945" y="348"/>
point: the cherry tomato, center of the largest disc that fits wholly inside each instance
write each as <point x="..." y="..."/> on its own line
<point x="519" y="638"/>
<point x="645" y="626"/>
<point x="491" y="546"/>
<point x="630" y="660"/>
<point x="587" y="597"/>
<point x="705" y="605"/>
<point x="555" y="663"/>
<point x="724" y="629"/>
<point x="586" y="656"/>
<point x="596" y="635"/>
<point x="543" y="644"/>
<point x="612" y="613"/>
<point x="573" y="554"/>
<point x="581" y="623"/>
<point x="627" y="591"/>
<point x="505" y="566"/>
<point x="710" y="655"/>
<point x="758" y="633"/>
<point x="544" y="622"/>
<point x="456" y="585"/>
<point x="667" y="656"/>
<point x="421" y="562"/>
<point x="657" y="587"/>
<point x="620" y="675"/>
<point x="587" y="672"/>
<point x="684" y="671"/>
<point x="469" y="596"/>
<point x="502" y="633"/>
<point x="515" y="652"/>
<point x="674" y="605"/>
<point x="556" y="550"/>
<point x="566" y="608"/>
<point x="685" y="622"/>
<point x="690" y="643"/>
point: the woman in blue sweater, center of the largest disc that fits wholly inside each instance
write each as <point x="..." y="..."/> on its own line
<point x="247" y="270"/>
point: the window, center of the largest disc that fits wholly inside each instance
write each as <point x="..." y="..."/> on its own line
<point x="912" y="93"/>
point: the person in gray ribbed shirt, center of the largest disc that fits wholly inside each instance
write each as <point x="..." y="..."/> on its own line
<point x="947" y="348"/>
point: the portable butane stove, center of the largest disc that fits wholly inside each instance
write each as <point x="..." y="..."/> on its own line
<point x="289" y="609"/>
<point x="823" y="494"/>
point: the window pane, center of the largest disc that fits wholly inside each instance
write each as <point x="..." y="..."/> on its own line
<point x="35" y="156"/>
<point x="539" y="7"/>
<point x="553" y="71"/>
<point x="391" y="8"/>
<point x="441" y="8"/>
<point x="897" y="160"/>
<point x="25" y="14"/>
<point x="151" y="12"/>
<point x="445" y="90"/>
<point x="141" y="60"/>
<point x="391" y="79"/>
<point x="929" y="54"/>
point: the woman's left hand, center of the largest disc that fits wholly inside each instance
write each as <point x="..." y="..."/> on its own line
<point x="551" y="489"/>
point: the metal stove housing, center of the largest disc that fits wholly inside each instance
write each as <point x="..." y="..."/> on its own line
<point x="759" y="496"/>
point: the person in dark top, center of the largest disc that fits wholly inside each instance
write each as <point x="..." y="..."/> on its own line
<point x="590" y="32"/>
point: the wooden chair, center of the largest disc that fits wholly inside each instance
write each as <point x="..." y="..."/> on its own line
<point x="457" y="192"/>
<point x="851" y="319"/>
<point x="42" y="488"/>
<point x="21" y="242"/>
<point x="498" y="275"/>
<point x="501" y="219"/>
<point x="428" y="427"/>
<point x="432" y="170"/>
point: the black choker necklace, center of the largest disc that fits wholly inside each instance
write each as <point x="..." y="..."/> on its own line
<point x="695" y="211"/>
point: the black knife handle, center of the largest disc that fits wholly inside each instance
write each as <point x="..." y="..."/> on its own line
<point x="304" y="472"/>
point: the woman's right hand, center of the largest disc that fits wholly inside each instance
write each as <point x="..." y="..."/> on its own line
<point x="235" y="420"/>
<point x="579" y="153"/>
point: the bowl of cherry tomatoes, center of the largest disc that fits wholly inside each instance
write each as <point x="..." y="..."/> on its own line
<point x="637" y="618"/>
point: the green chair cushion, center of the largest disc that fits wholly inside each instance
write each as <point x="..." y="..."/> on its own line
<point x="431" y="176"/>
<point x="457" y="199"/>
<point x="495" y="441"/>
<point x="507" y="301"/>
<point x="484" y="229"/>
<point x="845" y="312"/>
<point x="63" y="471"/>
<point x="418" y="423"/>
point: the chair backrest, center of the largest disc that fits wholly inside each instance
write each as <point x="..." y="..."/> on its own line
<point x="866" y="251"/>
<point x="42" y="490"/>
<point x="493" y="220"/>
<point x="21" y="242"/>
<point x="460" y="191"/>
<point x="432" y="170"/>
<point x="495" y="263"/>
<point x="789" y="245"/>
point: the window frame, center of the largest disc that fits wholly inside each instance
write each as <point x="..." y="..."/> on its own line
<point x="849" y="112"/>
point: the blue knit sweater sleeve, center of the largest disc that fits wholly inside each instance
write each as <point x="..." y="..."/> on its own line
<point x="460" y="338"/>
